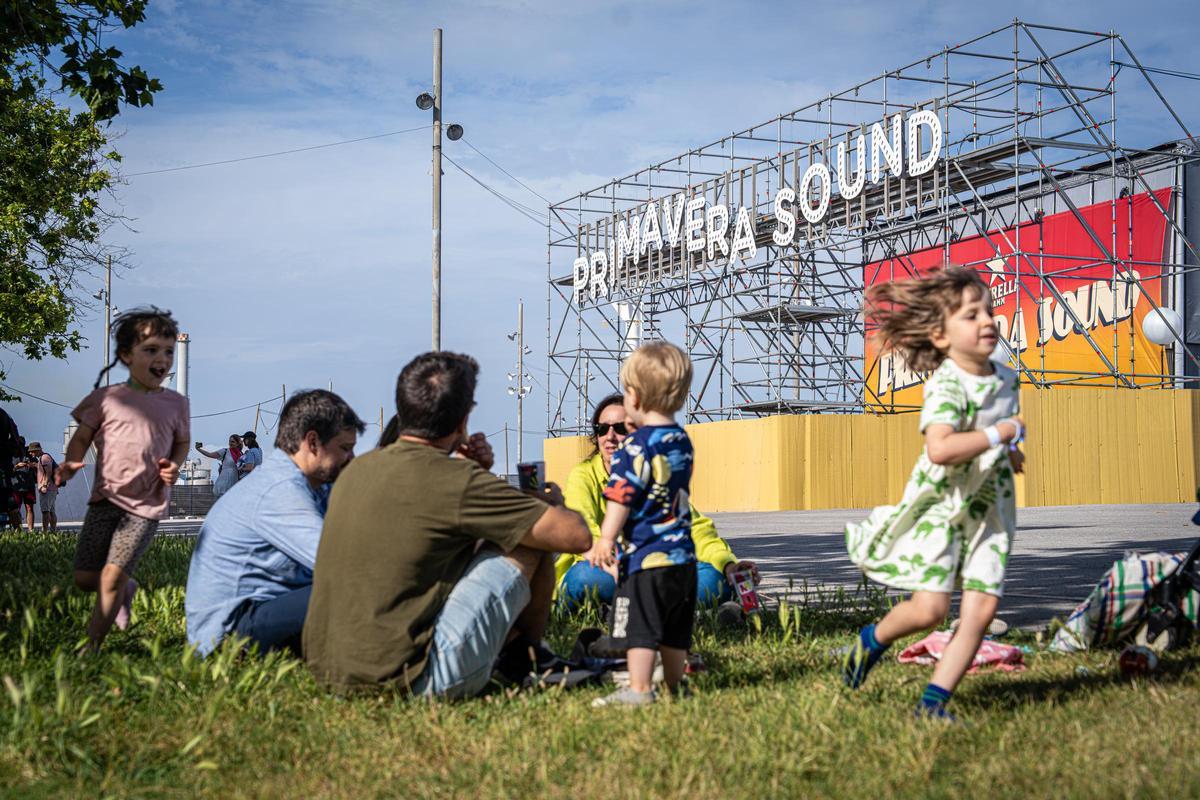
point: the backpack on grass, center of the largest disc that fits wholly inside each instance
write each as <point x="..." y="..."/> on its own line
<point x="1152" y="599"/>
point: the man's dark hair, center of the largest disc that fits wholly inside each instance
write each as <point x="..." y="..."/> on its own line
<point x="434" y="392"/>
<point x="314" y="410"/>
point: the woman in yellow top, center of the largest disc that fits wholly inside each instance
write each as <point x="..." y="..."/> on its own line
<point x="577" y="580"/>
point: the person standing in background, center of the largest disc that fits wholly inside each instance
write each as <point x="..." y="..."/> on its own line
<point x="252" y="455"/>
<point x="25" y="484"/>
<point x="231" y="460"/>
<point x="46" y="489"/>
<point x="10" y="451"/>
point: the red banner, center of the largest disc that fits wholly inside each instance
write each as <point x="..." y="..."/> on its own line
<point x="1043" y="319"/>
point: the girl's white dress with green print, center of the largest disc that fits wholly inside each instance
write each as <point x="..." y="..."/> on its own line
<point x="955" y="524"/>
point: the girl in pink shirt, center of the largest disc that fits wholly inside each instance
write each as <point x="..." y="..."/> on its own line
<point x="141" y="434"/>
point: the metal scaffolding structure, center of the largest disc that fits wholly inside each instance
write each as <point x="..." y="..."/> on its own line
<point x="1028" y="128"/>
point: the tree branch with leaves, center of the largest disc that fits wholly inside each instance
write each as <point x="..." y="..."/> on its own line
<point x="56" y="164"/>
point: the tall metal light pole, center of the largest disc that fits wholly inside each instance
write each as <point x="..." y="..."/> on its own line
<point x="520" y="390"/>
<point x="520" y="377"/>
<point x="105" y="294"/>
<point x="427" y="102"/>
<point x="437" y="189"/>
<point x="107" y="316"/>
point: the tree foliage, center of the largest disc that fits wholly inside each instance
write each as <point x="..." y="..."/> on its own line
<point x="55" y="163"/>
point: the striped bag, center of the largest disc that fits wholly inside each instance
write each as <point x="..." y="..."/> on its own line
<point x="1118" y="605"/>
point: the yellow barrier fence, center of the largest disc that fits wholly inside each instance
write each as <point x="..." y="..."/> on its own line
<point x="1085" y="446"/>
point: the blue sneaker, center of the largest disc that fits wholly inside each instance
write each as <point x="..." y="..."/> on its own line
<point x="936" y="712"/>
<point x="860" y="658"/>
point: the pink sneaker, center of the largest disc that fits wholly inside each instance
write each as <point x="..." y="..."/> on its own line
<point x="126" y="610"/>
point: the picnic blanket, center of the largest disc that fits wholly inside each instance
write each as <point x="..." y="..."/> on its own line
<point x="1002" y="656"/>
<point x="1117" y="605"/>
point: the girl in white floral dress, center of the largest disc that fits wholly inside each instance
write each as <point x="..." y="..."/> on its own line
<point x="955" y="524"/>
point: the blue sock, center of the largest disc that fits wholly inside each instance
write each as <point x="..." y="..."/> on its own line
<point x="867" y="635"/>
<point x="934" y="697"/>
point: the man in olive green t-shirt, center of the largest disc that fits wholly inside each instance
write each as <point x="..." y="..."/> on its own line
<point x="428" y="564"/>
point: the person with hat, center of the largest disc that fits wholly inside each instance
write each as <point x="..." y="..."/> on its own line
<point x="252" y="455"/>
<point x="47" y="490"/>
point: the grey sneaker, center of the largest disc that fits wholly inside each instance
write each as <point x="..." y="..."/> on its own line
<point x="626" y="698"/>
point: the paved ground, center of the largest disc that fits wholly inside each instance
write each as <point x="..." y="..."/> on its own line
<point x="181" y="526"/>
<point x="1059" y="555"/>
<point x="1060" y="551"/>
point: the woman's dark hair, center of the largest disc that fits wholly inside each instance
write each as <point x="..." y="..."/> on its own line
<point x="131" y="327"/>
<point x="314" y="410"/>
<point x="434" y="393"/>
<point x="610" y="400"/>
<point x="250" y="439"/>
<point x="391" y="432"/>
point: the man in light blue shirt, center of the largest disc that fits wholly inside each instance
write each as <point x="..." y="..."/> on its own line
<point x="251" y="571"/>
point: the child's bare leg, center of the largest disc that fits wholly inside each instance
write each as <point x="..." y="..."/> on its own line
<point x="920" y="612"/>
<point x="674" y="660"/>
<point x="87" y="580"/>
<point x="641" y="668"/>
<point x="978" y="609"/>
<point x="110" y="592"/>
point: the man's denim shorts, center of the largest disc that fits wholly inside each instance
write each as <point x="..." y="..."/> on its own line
<point x="472" y="627"/>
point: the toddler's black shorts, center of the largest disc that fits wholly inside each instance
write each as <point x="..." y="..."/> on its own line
<point x="656" y="607"/>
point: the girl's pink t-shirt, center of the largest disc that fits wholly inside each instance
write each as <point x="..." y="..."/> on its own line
<point x="133" y="431"/>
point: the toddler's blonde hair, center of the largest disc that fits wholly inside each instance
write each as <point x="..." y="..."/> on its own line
<point x="661" y="374"/>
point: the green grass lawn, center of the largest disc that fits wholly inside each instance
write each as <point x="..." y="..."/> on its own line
<point x="769" y="719"/>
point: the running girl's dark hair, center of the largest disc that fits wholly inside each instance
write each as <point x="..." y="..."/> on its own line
<point x="611" y="400"/>
<point x="907" y="314"/>
<point x="131" y="327"/>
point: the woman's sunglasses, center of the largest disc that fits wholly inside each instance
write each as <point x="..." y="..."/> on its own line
<point x="601" y="428"/>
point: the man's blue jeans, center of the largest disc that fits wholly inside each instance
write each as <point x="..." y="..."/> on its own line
<point x="275" y="624"/>
<point x="583" y="581"/>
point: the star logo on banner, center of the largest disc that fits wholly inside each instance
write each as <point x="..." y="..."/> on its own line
<point x="996" y="267"/>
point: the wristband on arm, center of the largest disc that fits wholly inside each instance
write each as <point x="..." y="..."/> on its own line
<point x="993" y="432"/>
<point x="993" y="435"/>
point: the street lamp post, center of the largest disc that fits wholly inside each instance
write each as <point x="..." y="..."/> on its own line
<point x="521" y="389"/>
<point x="437" y="189"/>
<point x="427" y="102"/>
<point x="105" y="294"/>
<point x="107" y="314"/>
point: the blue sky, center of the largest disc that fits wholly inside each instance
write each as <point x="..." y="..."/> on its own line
<point x="314" y="267"/>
